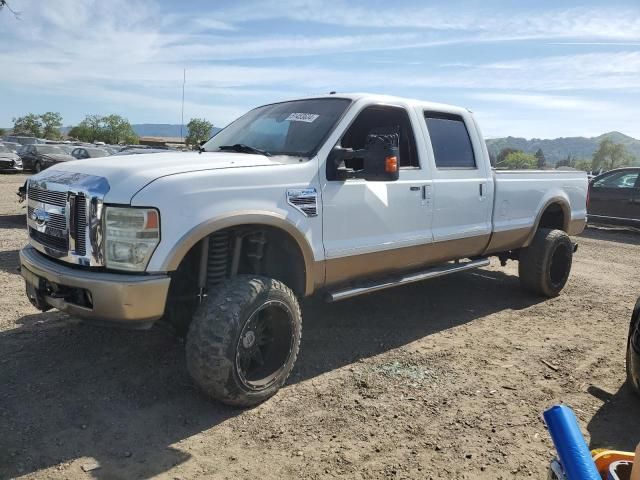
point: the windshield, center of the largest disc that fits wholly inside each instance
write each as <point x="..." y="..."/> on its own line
<point x="48" y="150"/>
<point x="288" y="128"/>
<point x="5" y="149"/>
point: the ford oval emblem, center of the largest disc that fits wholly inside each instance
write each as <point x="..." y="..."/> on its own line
<point x="39" y="216"/>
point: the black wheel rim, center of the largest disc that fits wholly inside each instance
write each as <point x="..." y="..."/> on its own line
<point x="559" y="270"/>
<point x="265" y="345"/>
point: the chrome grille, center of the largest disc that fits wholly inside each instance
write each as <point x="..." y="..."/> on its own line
<point x="50" y="197"/>
<point x="57" y="243"/>
<point x="81" y="224"/>
<point x="64" y="215"/>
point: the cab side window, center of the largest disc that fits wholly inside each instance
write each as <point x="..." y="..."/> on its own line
<point x="450" y="140"/>
<point x="383" y="120"/>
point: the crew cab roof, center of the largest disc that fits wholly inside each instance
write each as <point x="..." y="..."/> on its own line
<point x="392" y="100"/>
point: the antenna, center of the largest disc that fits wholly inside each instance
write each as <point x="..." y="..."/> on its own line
<point x="184" y="80"/>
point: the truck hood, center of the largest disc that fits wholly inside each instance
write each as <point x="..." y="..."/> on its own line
<point x="127" y="174"/>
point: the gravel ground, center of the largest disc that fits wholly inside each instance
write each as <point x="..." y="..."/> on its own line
<point x="444" y="379"/>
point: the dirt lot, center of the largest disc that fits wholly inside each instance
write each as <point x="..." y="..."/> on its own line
<point x="443" y="379"/>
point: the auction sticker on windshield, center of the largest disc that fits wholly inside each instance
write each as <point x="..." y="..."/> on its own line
<point x="302" y="117"/>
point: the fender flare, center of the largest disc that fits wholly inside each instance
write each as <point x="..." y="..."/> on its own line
<point x="314" y="272"/>
<point x="566" y="210"/>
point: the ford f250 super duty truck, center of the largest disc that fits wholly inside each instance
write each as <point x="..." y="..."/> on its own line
<point x="339" y="194"/>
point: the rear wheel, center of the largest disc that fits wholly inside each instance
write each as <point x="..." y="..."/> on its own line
<point x="38" y="167"/>
<point x="633" y="350"/>
<point x="244" y="340"/>
<point x="545" y="264"/>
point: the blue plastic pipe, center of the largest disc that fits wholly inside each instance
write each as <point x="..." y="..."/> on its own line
<point x="573" y="452"/>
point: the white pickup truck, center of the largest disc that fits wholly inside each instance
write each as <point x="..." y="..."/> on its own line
<point x="339" y="194"/>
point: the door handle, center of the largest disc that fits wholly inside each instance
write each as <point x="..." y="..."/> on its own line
<point x="481" y="190"/>
<point x="414" y="188"/>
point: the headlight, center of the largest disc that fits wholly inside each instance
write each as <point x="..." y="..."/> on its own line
<point x="17" y="162"/>
<point x="131" y="236"/>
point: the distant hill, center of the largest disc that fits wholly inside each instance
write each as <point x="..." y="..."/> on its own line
<point x="156" y="129"/>
<point x="556" y="149"/>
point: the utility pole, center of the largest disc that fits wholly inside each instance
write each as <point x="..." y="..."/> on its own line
<point x="184" y="80"/>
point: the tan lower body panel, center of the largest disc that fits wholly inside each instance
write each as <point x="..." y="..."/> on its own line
<point x="344" y="269"/>
<point x="508" y="240"/>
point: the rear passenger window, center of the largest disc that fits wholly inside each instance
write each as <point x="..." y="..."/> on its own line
<point x="450" y="140"/>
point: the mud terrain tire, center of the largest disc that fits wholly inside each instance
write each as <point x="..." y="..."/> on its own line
<point x="244" y="340"/>
<point x="545" y="264"/>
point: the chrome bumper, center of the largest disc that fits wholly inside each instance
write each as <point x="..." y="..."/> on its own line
<point x="100" y="296"/>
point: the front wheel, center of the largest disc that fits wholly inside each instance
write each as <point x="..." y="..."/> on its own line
<point x="244" y="340"/>
<point x="544" y="265"/>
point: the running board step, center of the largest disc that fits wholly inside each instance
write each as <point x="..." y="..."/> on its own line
<point x="438" y="271"/>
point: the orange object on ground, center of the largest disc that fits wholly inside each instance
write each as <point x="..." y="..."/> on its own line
<point x="603" y="458"/>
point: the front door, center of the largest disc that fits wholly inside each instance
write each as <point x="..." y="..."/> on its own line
<point x="370" y="226"/>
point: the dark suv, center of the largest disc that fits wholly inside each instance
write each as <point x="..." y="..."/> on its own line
<point x="614" y="197"/>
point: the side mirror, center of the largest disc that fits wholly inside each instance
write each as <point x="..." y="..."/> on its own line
<point x="378" y="161"/>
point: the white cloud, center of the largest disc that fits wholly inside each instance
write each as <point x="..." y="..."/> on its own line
<point x="544" y="102"/>
<point x="122" y="54"/>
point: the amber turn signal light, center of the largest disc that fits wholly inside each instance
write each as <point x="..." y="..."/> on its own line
<point x="391" y="164"/>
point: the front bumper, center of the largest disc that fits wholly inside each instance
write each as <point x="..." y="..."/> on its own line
<point x="137" y="300"/>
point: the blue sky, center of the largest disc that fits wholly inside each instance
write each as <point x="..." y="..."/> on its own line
<point x="527" y="68"/>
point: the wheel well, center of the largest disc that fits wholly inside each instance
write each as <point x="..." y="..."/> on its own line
<point x="553" y="217"/>
<point x="246" y="249"/>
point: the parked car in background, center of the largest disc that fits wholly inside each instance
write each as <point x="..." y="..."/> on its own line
<point x="39" y="157"/>
<point x="112" y="149"/>
<point x="13" y="146"/>
<point x="9" y="160"/>
<point x="633" y="350"/>
<point x="23" y="140"/>
<point x="67" y="148"/>
<point x="614" y="197"/>
<point x="139" y="151"/>
<point x="89" y="152"/>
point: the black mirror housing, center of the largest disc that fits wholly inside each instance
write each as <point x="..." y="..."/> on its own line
<point x="378" y="161"/>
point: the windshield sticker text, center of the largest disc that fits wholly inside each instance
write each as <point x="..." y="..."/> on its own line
<point x="302" y="117"/>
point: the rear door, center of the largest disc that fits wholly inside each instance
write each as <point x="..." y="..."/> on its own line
<point x="612" y="195"/>
<point x="462" y="190"/>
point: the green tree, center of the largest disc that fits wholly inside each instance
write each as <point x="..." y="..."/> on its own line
<point x="199" y="130"/>
<point x="30" y="125"/>
<point x="611" y="155"/>
<point x="542" y="161"/>
<point x="110" y="129"/>
<point x="519" y="161"/>
<point x="81" y="132"/>
<point x="503" y="154"/>
<point x="116" y="129"/>
<point x="51" y="123"/>
<point x="567" y="162"/>
<point x="584" y="165"/>
<point x="2" y="132"/>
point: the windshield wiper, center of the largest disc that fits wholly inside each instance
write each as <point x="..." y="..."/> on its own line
<point x="242" y="148"/>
